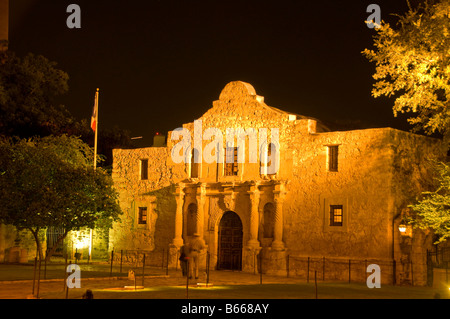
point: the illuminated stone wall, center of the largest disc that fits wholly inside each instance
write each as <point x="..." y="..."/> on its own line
<point x="380" y="171"/>
<point x="155" y="194"/>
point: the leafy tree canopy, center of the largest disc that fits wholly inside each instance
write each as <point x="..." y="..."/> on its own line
<point x="432" y="211"/>
<point x="413" y="63"/>
<point x="51" y="182"/>
<point x="29" y="88"/>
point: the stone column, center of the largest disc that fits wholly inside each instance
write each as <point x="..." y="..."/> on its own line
<point x="178" y="240"/>
<point x="277" y="243"/>
<point x="253" y="242"/>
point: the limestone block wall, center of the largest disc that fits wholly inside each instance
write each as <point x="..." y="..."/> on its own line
<point x="360" y="185"/>
<point x="26" y="245"/>
<point x="246" y="112"/>
<point x="154" y="193"/>
<point x="380" y="171"/>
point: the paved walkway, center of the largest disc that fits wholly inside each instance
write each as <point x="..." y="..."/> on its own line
<point x="21" y="289"/>
<point x="226" y="284"/>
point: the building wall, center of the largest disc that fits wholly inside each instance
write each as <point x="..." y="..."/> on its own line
<point x="380" y="171"/>
<point x="155" y="193"/>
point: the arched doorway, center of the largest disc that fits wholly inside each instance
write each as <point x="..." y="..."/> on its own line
<point x="230" y="242"/>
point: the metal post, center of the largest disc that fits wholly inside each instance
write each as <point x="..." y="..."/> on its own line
<point x="187" y="280"/>
<point x="112" y="258"/>
<point x="67" y="277"/>
<point x="65" y="271"/>
<point x="349" y="271"/>
<point x="287" y="266"/>
<point x="315" y="281"/>
<point x="121" y="255"/>
<point x="39" y="278"/>
<point x="260" y="268"/>
<point x="167" y="261"/>
<point x="143" y="269"/>
<point x="254" y="262"/>
<point x="412" y="274"/>
<point x="394" y="272"/>
<point x="45" y="264"/>
<point x="208" y="258"/>
<point x="162" y="259"/>
<point x="34" y="273"/>
<point x="307" y="273"/>
<point x="323" y="269"/>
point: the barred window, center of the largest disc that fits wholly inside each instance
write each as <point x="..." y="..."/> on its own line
<point x="142" y="218"/>
<point x="333" y="154"/>
<point x="336" y="215"/>
<point x="231" y="161"/>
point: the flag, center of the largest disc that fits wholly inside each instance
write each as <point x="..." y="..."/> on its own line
<point x="94" y="117"/>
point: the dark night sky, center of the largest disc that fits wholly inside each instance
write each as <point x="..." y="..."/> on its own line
<point x="159" y="64"/>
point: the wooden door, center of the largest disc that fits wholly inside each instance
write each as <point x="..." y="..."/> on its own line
<point x="230" y="242"/>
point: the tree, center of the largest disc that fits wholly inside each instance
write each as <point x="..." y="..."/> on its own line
<point x="51" y="182"/>
<point x="29" y="88"/>
<point x="432" y="211"/>
<point x="413" y="63"/>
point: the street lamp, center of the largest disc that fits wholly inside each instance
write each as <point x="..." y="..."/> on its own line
<point x="405" y="230"/>
<point x="402" y="228"/>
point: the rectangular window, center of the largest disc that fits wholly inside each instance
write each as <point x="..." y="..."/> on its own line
<point x="336" y="215"/>
<point x="142" y="218"/>
<point x="333" y="153"/>
<point x="144" y="169"/>
<point x="231" y="161"/>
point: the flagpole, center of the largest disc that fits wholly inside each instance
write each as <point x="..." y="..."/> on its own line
<point x="95" y="163"/>
<point x="96" y="130"/>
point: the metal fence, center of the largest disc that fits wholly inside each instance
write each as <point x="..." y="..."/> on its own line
<point x="338" y="269"/>
<point x="437" y="258"/>
<point x="304" y="267"/>
<point x="140" y="258"/>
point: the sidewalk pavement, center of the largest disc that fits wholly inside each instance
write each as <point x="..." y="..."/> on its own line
<point x="158" y="285"/>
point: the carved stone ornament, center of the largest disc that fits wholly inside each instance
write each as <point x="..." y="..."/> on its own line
<point x="229" y="201"/>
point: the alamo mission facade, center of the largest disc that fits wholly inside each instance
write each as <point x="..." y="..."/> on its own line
<point x="336" y="195"/>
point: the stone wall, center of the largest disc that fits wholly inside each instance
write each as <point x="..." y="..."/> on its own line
<point x="155" y="193"/>
<point x="380" y="171"/>
<point x="18" y="246"/>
